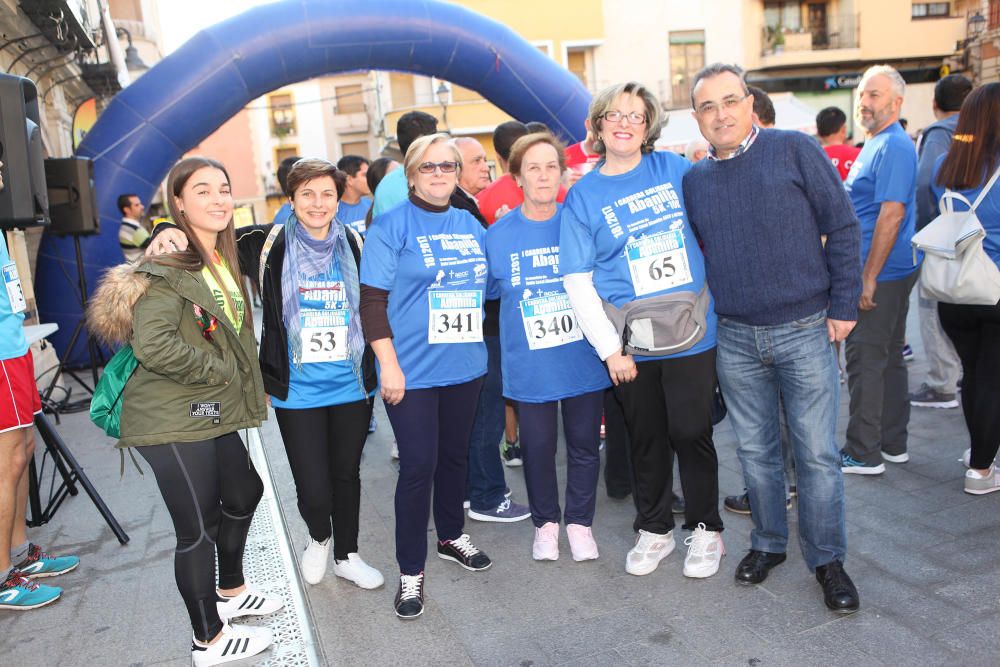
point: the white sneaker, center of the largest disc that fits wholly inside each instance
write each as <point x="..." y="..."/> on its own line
<point x="648" y="551"/>
<point x="356" y="570"/>
<point x="247" y="603"/>
<point x="546" y="544"/>
<point x="313" y="563"/>
<point x="705" y="552"/>
<point x="979" y="485"/>
<point x="967" y="454"/>
<point x="896" y="458"/>
<point x="581" y="542"/>
<point x="394" y="452"/>
<point x="235" y="643"/>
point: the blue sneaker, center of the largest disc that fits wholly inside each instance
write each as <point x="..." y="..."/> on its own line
<point x="40" y="564"/>
<point x="18" y="592"/>
<point x="851" y="466"/>
<point x="506" y="512"/>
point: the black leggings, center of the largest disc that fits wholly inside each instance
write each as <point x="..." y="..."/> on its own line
<point x="211" y="490"/>
<point x="324" y="451"/>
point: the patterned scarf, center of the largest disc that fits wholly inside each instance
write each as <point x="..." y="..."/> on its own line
<point x="308" y="257"/>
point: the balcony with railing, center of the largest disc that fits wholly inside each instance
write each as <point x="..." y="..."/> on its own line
<point x="826" y="38"/>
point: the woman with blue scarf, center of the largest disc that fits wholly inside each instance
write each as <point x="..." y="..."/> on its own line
<point x="317" y="369"/>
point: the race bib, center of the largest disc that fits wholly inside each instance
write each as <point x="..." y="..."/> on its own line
<point x="14" y="293"/>
<point x="658" y="262"/>
<point x="549" y="321"/>
<point x="324" y="337"/>
<point x="455" y="316"/>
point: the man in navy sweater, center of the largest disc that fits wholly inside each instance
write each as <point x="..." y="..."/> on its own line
<point x="761" y="205"/>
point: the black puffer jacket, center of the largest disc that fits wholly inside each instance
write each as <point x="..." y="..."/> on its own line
<point x="274" y="364"/>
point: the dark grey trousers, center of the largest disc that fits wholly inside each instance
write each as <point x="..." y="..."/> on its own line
<point x="876" y="375"/>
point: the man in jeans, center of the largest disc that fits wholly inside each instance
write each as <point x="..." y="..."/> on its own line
<point x="882" y="186"/>
<point x="761" y="204"/>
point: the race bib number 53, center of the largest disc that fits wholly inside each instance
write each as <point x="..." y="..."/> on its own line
<point x="658" y="262"/>
<point x="455" y="316"/>
<point x="324" y="337"/>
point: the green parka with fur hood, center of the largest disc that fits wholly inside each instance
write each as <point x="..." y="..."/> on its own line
<point x="189" y="385"/>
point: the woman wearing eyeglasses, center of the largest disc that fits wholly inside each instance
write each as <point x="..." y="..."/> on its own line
<point x="636" y="279"/>
<point x="423" y="278"/>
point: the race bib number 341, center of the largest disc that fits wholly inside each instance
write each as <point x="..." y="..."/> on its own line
<point x="549" y="321"/>
<point x="658" y="262"/>
<point x="455" y="316"/>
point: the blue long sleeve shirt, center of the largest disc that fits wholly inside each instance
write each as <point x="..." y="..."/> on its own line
<point x="761" y="217"/>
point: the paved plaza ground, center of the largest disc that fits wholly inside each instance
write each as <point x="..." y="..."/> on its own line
<point x="922" y="553"/>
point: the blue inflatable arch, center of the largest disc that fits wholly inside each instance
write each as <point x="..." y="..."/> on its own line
<point x="187" y="96"/>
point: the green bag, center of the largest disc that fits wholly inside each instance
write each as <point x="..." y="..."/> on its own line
<point x="106" y="405"/>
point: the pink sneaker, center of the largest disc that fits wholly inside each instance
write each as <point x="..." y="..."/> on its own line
<point x="581" y="542"/>
<point x="546" y="546"/>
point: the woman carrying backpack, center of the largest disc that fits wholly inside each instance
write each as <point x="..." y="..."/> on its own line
<point x="196" y="385"/>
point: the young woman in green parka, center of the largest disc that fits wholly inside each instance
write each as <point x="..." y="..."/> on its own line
<point x="196" y="385"/>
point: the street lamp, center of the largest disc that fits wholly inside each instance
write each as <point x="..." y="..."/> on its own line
<point x="443" y="92"/>
<point x="132" y="60"/>
<point x="976" y="25"/>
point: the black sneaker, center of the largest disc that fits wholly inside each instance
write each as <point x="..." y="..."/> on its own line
<point x="677" y="505"/>
<point x="463" y="552"/>
<point x="839" y="592"/>
<point x="739" y="504"/>
<point x="511" y="454"/>
<point x="410" y="597"/>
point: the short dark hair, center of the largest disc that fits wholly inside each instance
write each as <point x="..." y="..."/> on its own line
<point x="307" y="169"/>
<point x="125" y="200"/>
<point x="715" y="69"/>
<point x="351" y="164"/>
<point x="951" y="91"/>
<point x="506" y="134"/>
<point x="537" y="126"/>
<point x="830" y="120"/>
<point x="411" y="126"/>
<point x="762" y="105"/>
<point x="282" y="174"/>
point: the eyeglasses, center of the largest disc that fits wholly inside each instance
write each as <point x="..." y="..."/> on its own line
<point x="445" y="167"/>
<point x="634" y="117"/>
<point x="712" y="108"/>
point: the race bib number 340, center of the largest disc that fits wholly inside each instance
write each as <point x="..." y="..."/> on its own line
<point x="549" y="321"/>
<point x="658" y="262"/>
<point x="455" y="316"/>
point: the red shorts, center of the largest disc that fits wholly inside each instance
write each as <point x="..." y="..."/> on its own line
<point x="19" y="399"/>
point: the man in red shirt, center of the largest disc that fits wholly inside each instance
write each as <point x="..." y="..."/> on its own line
<point x="503" y="194"/>
<point x="831" y="129"/>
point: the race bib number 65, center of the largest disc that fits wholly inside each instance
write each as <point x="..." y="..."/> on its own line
<point x="658" y="262"/>
<point x="455" y="316"/>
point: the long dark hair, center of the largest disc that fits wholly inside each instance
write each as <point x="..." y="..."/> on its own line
<point x="975" y="146"/>
<point x="196" y="257"/>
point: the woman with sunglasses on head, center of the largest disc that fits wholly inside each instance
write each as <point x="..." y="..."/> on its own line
<point x="636" y="279"/>
<point x="970" y="166"/>
<point x="548" y="367"/>
<point x="196" y="385"/>
<point x="423" y="279"/>
<point x="318" y="371"/>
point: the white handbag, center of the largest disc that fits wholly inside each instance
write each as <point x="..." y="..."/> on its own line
<point x="956" y="269"/>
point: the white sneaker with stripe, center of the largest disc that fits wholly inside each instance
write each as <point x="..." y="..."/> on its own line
<point x="236" y="642"/>
<point x="247" y="603"/>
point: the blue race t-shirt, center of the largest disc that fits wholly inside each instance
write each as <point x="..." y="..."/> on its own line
<point x="434" y="267"/>
<point x="632" y="231"/>
<point x="886" y="170"/>
<point x="544" y="354"/>
<point x="354" y="214"/>
<point x="281" y="217"/>
<point x="326" y="376"/>
<point x="988" y="211"/>
<point x="13" y="344"/>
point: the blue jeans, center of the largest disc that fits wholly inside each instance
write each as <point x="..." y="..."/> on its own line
<point x="797" y="358"/>
<point x="486" y="483"/>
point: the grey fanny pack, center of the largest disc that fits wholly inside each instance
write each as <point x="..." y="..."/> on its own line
<point x="661" y="325"/>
